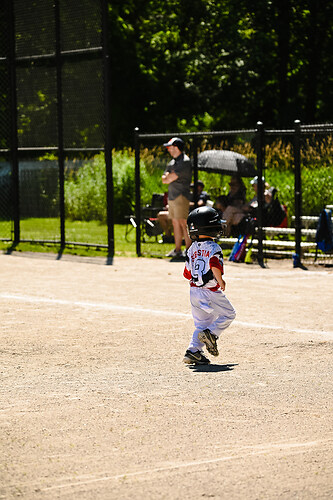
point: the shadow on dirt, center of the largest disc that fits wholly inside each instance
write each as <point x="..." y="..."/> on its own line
<point x="212" y="368"/>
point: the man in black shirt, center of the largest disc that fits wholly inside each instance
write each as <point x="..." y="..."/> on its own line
<point x="178" y="177"/>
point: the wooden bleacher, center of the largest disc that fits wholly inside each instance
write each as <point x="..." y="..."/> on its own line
<point x="280" y="242"/>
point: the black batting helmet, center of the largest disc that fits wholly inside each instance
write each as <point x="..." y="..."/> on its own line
<point x="205" y="221"/>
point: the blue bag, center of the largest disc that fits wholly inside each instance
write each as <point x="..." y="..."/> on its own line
<point x="239" y="249"/>
<point x="324" y="234"/>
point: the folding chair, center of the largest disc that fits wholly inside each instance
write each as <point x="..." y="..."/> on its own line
<point x="149" y="221"/>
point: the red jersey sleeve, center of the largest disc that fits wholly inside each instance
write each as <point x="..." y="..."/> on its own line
<point x="187" y="273"/>
<point x="215" y="262"/>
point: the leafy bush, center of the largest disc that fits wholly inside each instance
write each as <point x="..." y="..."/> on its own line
<point x="85" y="187"/>
<point x="85" y="191"/>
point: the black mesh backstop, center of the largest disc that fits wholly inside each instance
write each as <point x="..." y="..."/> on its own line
<point x="54" y="113"/>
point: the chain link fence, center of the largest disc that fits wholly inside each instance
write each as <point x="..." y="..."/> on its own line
<point x="56" y="182"/>
<point x="293" y="166"/>
<point x="6" y="208"/>
<point x="214" y="173"/>
<point x="54" y="84"/>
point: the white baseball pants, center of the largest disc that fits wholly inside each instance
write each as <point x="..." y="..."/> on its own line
<point x="209" y="310"/>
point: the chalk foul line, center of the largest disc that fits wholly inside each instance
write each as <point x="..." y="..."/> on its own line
<point x="160" y="312"/>
<point x="248" y="451"/>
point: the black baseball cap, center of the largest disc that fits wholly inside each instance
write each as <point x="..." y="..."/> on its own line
<point x="175" y="141"/>
<point x="199" y="183"/>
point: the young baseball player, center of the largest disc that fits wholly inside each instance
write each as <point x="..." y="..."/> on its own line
<point x="212" y="312"/>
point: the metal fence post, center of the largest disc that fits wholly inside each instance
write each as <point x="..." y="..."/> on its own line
<point x="298" y="192"/>
<point x="195" y="171"/>
<point x="260" y="167"/>
<point x="14" y="139"/>
<point x="107" y="139"/>
<point x="61" y="160"/>
<point x="137" y="192"/>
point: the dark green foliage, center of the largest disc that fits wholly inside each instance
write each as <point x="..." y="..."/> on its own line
<point x="219" y="64"/>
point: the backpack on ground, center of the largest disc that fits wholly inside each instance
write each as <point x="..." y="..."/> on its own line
<point x="324" y="234"/>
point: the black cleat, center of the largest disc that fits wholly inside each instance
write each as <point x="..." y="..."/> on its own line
<point x="209" y="339"/>
<point x="196" y="358"/>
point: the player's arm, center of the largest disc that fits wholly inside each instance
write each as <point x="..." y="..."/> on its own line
<point x="216" y="266"/>
<point x="218" y="276"/>
<point x="168" y="177"/>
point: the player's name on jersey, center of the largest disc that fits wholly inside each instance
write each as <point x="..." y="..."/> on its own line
<point x="200" y="253"/>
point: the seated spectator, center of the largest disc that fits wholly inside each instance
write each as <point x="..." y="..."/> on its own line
<point x="231" y="207"/>
<point x="237" y="192"/>
<point x="252" y="205"/>
<point x="233" y="215"/>
<point x="274" y="214"/>
<point x="203" y="196"/>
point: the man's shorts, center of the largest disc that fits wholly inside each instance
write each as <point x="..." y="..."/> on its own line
<point x="179" y="208"/>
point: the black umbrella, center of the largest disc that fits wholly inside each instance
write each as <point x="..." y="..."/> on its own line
<point x="226" y="162"/>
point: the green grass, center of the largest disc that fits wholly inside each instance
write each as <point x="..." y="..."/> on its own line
<point x="78" y="231"/>
<point x="90" y="232"/>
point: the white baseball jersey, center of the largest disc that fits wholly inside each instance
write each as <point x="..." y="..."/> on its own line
<point x="200" y="258"/>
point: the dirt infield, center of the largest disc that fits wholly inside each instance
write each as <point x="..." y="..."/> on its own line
<point x="96" y="402"/>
